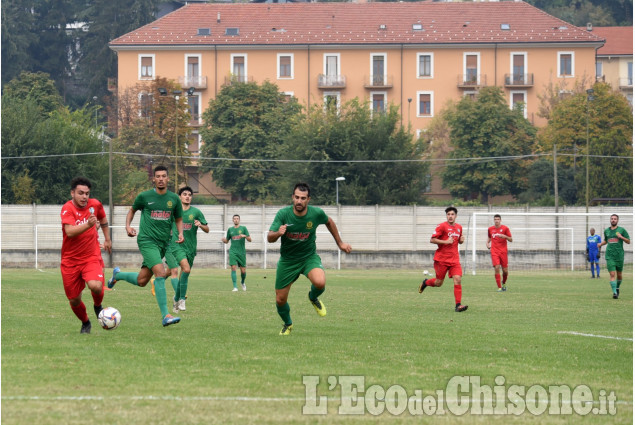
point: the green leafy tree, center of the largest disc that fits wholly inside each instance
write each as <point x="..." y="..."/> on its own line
<point x="247" y="121"/>
<point x="17" y="36"/>
<point x="486" y="127"/>
<point x="36" y="86"/>
<point x="610" y="125"/>
<point x="354" y="133"/>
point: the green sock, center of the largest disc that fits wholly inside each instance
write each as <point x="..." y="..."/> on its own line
<point x="614" y="286"/>
<point x="242" y="277"/>
<point x="619" y="282"/>
<point x="285" y="313"/>
<point x="159" y="290"/>
<point x="234" y="278"/>
<point x="175" y="285"/>
<point x="130" y="277"/>
<point x="315" y="292"/>
<point x="183" y="285"/>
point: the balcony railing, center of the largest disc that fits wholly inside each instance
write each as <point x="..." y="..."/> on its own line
<point x="198" y="82"/>
<point x="331" y="81"/>
<point x="471" y="81"/>
<point x="626" y="83"/>
<point x="238" y="79"/>
<point x="519" y="80"/>
<point x="378" y="81"/>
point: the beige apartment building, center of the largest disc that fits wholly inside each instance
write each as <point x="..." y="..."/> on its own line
<point x="615" y="59"/>
<point x="417" y="55"/>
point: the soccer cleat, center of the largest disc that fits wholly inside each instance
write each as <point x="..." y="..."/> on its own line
<point x="319" y="306"/>
<point x="181" y="305"/>
<point x="154" y="294"/>
<point x="98" y="309"/>
<point x="615" y="296"/>
<point x="170" y="320"/>
<point x="286" y="330"/>
<point x="244" y="286"/>
<point x="460" y="308"/>
<point x="504" y="288"/>
<point x="112" y="280"/>
<point x="500" y="290"/>
<point x="617" y="291"/>
<point x="235" y="290"/>
<point x="422" y="286"/>
<point x="175" y="306"/>
<point x="85" y="327"/>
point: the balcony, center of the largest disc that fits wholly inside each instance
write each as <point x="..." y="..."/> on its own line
<point x="195" y="120"/>
<point x="198" y="82"/>
<point x="331" y="81"/>
<point x="471" y="81"/>
<point x="626" y="83"/>
<point x="378" y="81"/>
<point x="238" y="79"/>
<point x="519" y="80"/>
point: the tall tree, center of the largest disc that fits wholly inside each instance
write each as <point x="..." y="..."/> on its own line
<point x="342" y="137"/>
<point x="486" y="127"/>
<point x="247" y="121"/>
<point x="35" y="86"/>
<point x="17" y="36"/>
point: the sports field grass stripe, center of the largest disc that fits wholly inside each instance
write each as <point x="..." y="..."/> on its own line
<point x="594" y="336"/>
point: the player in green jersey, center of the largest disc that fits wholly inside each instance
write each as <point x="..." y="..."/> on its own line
<point x="615" y="237"/>
<point x="183" y="254"/>
<point x="237" y="253"/>
<point x="297" y="225"/>
<point x="159" y="209"/>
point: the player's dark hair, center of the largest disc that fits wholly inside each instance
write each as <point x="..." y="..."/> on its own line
<point x="611" y="214"/>
<point x="497" y="216"/>
<point x="160" y="168"/>
<point x="302" y="187"/>
<point x="184" y="188"/>
<point x="448" y="209"/>
<point x="235" y="215"/>
<point x="80" y="181"/>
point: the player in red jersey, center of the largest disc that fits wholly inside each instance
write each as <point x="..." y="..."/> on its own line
<point x="81" y="256"/>
<point x="497" y="237"/>
<point x="447" y="236"/>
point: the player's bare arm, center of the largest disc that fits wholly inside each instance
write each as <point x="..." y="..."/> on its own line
<point x="330" y="224"/>
<point x="129" y="230"/>
<point x="274" y="236"/>
<point x="462" y="239"/>
<point x="437" y="241"/>
<point x="203" y="227"/>
<point x="179" y="229"/>
<point x="106" y="232"/>
<point x="489" y="243"/>
<point x="619" y="236"/>
<point x="246" y="237"/>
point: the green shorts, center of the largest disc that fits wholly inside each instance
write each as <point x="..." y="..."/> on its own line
<point x="237" y="259"/>
<point x="175" y="254"/>
<point x="288" y="272"/>
<point x="152" y="252"/>
<point x="612" y="265"/>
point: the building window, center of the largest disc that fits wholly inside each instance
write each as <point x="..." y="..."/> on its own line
<point x="425" y="104"/>
<point x="471" y="65"/>
<point x="566" y="66"/>
<point x="471" y="94"/>
<point x="194" y="108"/>
<point x="378" y="69"/>
<point x="145" y="105"/>
<point x="146" y="67"/>
<point x="629" y="70"/>
<point x="239" y="68"/>
<point x="194" y="147"/>
<point x="287" y="95"/>
<point x="599" y="72"/>
<point x="518" y="100"/>
<point x="285" y="65"/>
<point x="425" y="65"/>
<point x="332" y="101"/>
<point x="332" y="68"/>
<point x="519" y="68"/>
<point x="378" y="102"/>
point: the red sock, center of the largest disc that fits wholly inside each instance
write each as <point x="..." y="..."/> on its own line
<point x="504" y="278"/>
<point x="97" y="299"/>
<point x="457" y="293"/>
<point x="430" y="282"/>
<point x="80" y="312"/>
<point x="498" y="280"/>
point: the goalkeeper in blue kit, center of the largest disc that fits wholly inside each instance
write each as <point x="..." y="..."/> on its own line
<point x="593" y="252"/>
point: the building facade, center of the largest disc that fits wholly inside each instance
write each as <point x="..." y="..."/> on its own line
<point x="414" y="55"/>
<point x="615" y="59"/>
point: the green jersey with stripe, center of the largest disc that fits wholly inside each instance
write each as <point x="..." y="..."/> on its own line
<point x="298" y="242"/>
<point x="615" y="246"/>
<point x="158" y="212"/>
<point x="189" y="229"/>
<point x="234" y="234"/>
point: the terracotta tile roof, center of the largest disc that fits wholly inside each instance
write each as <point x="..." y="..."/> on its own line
<point x="619" y="40"/>
<point x="355" y="23"/>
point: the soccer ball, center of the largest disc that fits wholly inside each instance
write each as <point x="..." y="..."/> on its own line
<point x="425" y="272"/>
<point x="109" y="318"/>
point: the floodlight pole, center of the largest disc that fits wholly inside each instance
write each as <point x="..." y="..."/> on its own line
<point x="337" y="189"/>
<point x="589" y="98"/>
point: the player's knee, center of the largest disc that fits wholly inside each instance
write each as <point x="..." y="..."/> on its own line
<point x="74" y="302"/>
<point x="186" y="269"/>
<point x="438" y="282"/>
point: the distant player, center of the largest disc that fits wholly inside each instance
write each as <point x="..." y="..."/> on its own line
<point x="237" y="252"/>
<point x="81" y="263"/>
<point x="159" y="208"/>
<point x="497" y="237"/>
<point x="615" y="237"/>
<point x="593" y="252"/>
<point x="182" y="254"/>
<point x="447" y="236"/>
<point x="296" y="225"/>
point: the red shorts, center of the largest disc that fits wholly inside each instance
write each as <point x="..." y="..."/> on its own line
<point x="499" y="259"/>
<point x="75" y="277"/>
<point x="451" y="269"/>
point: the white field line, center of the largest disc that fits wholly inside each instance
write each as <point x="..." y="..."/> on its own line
<point x="594" y="336"/>
<point x="253" y="399"/>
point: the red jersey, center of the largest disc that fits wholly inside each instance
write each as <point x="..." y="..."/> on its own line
<point x="84" y="247"/>
<point x="499" y="245"/>
<point x="448" y="254"/>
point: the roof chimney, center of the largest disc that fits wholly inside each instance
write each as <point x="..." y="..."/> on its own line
<point x="589" y="26"/>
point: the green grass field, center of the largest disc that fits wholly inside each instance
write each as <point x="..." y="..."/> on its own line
<point x="225" y="362"/>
